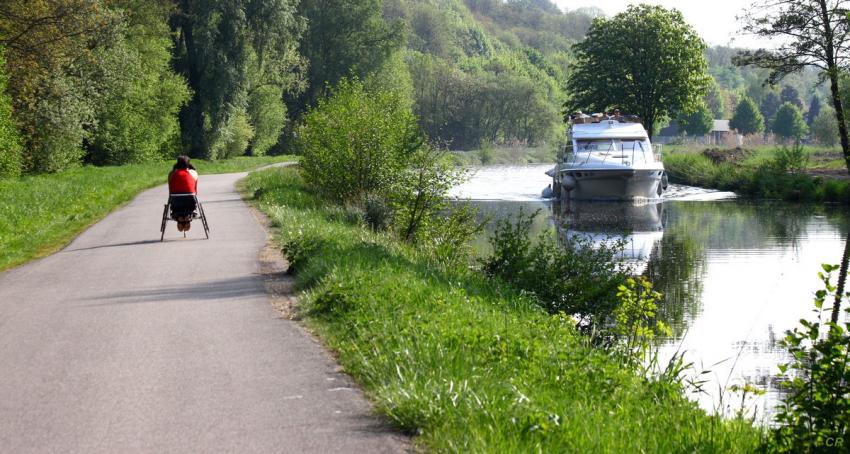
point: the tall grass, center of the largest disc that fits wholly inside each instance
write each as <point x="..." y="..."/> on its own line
<point x="40" y="214"/>
<point x="466" y="363"/>
<point x="761" y="176"/>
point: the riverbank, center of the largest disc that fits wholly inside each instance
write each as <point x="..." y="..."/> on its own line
<point x="463" y="362"/>
<point x="795" y="175"/>
<point x="42" y="213"/>
<point x="489" y="155"/>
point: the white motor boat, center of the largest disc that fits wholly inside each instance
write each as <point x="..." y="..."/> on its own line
<point x="608" y="158"/>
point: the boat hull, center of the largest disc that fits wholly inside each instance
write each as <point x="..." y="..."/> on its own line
<point x="611" y="184"/>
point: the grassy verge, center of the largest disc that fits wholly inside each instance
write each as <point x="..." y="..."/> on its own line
<point x="40" y="214"/>
<point x="755" y="176"/>
<point x="468" y="365"/>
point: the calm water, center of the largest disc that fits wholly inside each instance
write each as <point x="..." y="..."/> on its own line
<point x="735" y="274"/>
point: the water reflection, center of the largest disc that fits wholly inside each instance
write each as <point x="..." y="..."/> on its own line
<point x="735" y="275"/>
<point x="637" y="227"/>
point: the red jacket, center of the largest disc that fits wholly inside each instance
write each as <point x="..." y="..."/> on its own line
<point x="183" y="181"/>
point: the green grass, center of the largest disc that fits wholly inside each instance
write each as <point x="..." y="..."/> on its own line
<point x="40" y="214"/>
<point x="466" y="364"/>
<point x="755" y="177"/>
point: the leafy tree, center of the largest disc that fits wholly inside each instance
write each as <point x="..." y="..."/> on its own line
<point x="747" y="118"/>
<point x="768" y="107"/>
<point x="824" y="128"/>
<point x="267" y="114"/>
<point x="715" y="100"/>
<point x="227" y="51"/>
<point x="141" y="96"/>
<point x="790" y="94"/>
<point x="810" y="33"/>
<point x="55" y="81"/>
<point x="789" y="122"/>
<point x="697" y="123"/>
<point x="343" y="37"/>
<point x="814" y="110"/>
<point x="10" y="141"/>
<point x="646" y="61"/>
<point x="501" y="99"/>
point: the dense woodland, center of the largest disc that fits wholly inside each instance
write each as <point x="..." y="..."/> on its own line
<point x="109" y="82"/>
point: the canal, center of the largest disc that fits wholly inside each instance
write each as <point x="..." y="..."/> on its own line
<point x="735" y="274"/>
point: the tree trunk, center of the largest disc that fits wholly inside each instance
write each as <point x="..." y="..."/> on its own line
<point x="832" y="71"/>
<point x="842" y="279"/>
<point x="839" y="114"/>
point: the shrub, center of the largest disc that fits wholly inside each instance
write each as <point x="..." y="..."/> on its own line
<point x="356" y="143"/>
<point x="10" y="141"/>
<point x="635" y="323"/>
<point x="815" y="411"/>
<point x="791" y="159"/>
<point x="421" y="191"/>
<point x="233" y="138"/>
<point x="573" y="276"/>
<point x="365" y="148"/>
<point x="377" y="214"/>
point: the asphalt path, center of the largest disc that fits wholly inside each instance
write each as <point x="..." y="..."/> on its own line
<point x="122" y="343"/>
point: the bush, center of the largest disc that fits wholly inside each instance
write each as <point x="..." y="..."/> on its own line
<point x="377" y="214"/>
<point x="815" y="411"/>
<point x="574" y="277"/>
<point x="10" y="141"/>
<point x="791" y="159"/>
<point x="365" y="148"/>
<point x="356" y="143"/>
<point x="232" y="140"/>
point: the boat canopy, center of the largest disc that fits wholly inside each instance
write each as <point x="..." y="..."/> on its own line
<point x="608" y="129"/>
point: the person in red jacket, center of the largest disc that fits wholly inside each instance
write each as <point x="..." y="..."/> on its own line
<point x="183" y="180"/>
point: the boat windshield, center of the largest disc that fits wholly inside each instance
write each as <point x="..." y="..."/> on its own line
<point x="612" y="145"/>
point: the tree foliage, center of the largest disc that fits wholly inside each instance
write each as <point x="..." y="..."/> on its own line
<point x="789" y="123"/>
<point x="815" y="412"/>
<point x="55" y="81"/>
<point x="697" y="123"/>
<point x="791" y="95"/>
<point x="809" y="33"/>
<point x="747" y="118"/>
<point x="227" y="51"/>
<point x="91" y="79"/>
<point x="136" y="118"/>
<point x="645" y="61"/>
<point x="10" y="141"/>
<point x="343" y="37"/>
<point x="824" y="128"/>
<point x="814" y="110"/>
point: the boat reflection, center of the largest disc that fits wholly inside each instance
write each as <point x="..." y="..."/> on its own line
<point x="639" y="227"/>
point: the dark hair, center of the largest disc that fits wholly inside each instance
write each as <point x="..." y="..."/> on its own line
<point x="183" y="163"/>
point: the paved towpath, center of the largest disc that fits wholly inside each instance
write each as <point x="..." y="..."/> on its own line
<point x="121" y="343"/>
